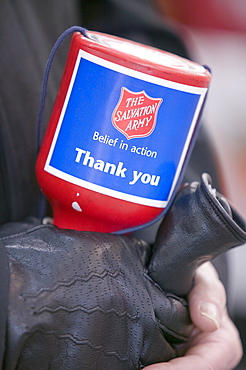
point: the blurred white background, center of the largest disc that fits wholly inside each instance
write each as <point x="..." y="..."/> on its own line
<point x="225" y="115"/>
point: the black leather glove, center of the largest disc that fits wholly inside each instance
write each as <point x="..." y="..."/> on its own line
<point x="83" y="301"/>
<point x="200" y="225"/>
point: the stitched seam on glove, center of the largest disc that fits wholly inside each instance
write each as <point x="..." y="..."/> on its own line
<point x="72" y="281"/>
<point x="169" y="297"/>
<point x="224" y="221"/>
<point x="12" y="236"/>
<point x="170" y="332"/>
<point x="79" y="342"/>
<point x="86" y="310"/>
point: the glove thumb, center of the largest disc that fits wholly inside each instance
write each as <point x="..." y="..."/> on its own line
<point x="199" y="226"/>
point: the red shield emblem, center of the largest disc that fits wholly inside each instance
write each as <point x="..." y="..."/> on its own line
<point x="135" y="113"/>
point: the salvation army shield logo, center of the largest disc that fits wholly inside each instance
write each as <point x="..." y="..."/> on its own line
<point x="135" y="113"/>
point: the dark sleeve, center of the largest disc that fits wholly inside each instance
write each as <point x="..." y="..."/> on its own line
<point x="133" y="19"/>
<point x="4" y="291"/>
<point x="28" y="30"/>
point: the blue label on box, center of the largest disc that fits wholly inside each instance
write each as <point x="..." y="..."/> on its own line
<point x="123" y="133"/>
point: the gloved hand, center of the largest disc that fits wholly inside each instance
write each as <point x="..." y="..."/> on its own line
<point x="83" y="301"/>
